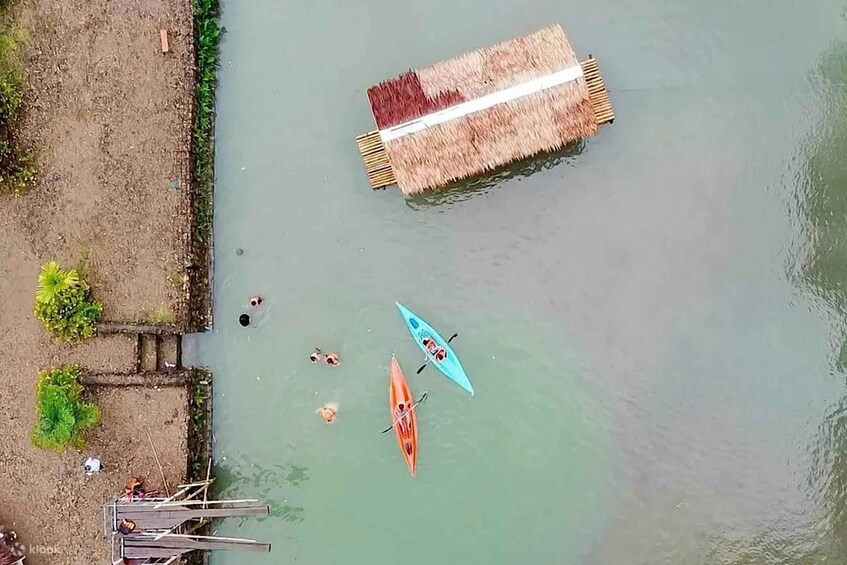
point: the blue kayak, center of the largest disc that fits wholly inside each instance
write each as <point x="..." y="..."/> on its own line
<point x="450" y="366"/>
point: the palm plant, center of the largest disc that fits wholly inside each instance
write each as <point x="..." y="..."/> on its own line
<point x="52" y="280"/>
<point x="63" y="304"/>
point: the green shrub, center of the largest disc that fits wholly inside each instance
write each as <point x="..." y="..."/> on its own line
<point x="10" y="97"/>
<point x="208" y="32"/>
<point x="17" y="167"/>
<point x="17" y="170"/>
<point x="62" y="415"/>
<point x="63" y="305"/>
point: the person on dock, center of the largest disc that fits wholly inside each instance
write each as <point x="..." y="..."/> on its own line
<point x="126" y="527"/>
<point x="328" y="413"/>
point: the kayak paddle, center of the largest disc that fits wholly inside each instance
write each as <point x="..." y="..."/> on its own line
<point x="428" y="357"/>
<point x="421" y="399"/>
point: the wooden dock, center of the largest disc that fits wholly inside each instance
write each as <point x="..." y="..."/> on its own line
<point x="150" y="517"/>
<point x="165" y="528"/>
<point x="158" y="348"/>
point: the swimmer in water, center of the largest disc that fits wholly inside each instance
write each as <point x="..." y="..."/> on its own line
<point x="328" y="413"/>
<point x="332" y="359"/>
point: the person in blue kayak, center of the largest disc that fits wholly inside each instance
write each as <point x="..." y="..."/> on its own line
<point x="432" y="348"/>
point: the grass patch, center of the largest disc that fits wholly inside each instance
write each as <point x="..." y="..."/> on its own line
<point x="162" y="316"/>
<point x="17" y="167"/>
<point x="62" y="416"/>
<point x="208" y="30"/>
<point x="63" y="304"/>
<point x="176" y="278"/>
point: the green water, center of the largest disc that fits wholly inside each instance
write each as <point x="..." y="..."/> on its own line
<point x="654" y="320"/>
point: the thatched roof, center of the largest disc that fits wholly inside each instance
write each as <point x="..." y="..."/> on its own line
<point x="484" y="139"/>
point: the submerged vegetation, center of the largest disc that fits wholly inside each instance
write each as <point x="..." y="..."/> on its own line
<point x="199" y="438"/>
<point x="63" y="304"/>
<point x="63" y="416"/>
<point x="17" y="170"/>
<point x="207" y="22"/>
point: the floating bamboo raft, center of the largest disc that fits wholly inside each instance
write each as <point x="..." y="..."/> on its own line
<point x="482" y="110"/>
<point x="376" y="160"/>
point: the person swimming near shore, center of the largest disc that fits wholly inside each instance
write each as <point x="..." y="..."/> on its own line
<point x="328" y="412"/>
<point x="318" y="356"/>
<point x="255" y="301"/>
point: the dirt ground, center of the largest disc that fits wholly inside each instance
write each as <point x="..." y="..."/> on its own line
<point x="108" y="116"/>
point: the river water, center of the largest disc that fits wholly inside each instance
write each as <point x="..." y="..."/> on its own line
<point x="653" y="320"/>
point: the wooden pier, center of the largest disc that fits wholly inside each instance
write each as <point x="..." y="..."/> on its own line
<point x="164" y="529"/>
<point x="158" y="348"/>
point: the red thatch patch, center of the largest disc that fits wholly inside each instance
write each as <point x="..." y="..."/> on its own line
<point x="402" y="99"/>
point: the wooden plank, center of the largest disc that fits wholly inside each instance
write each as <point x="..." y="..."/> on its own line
<point x="149" y="379"/>
<point x="152" y="552"/>
<point x="189" y="544"/>
<point x="192" y="513"/>
<point x="163" y="33"/>
<point x="123" y="328"/>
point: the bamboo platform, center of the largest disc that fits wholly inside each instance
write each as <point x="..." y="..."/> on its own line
<point x="378" y="165"/>
<point x="376" y="160"/>
<point x="597" y="93"/>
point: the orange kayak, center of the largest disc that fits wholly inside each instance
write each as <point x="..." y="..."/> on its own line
<point x="400" y="402"/>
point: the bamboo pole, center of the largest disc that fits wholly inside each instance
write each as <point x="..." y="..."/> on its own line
<point x="161" y="471"/>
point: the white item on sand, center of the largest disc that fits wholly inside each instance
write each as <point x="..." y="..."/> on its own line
<point x="92" y="466"/>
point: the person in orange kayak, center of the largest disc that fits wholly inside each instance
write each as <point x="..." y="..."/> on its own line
<point x="400" y="417"/>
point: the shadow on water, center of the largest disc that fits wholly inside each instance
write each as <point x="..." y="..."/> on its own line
<point x="821" y="273"/>
<point x="460" y="191"/>
<point x="260" y="482"/>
